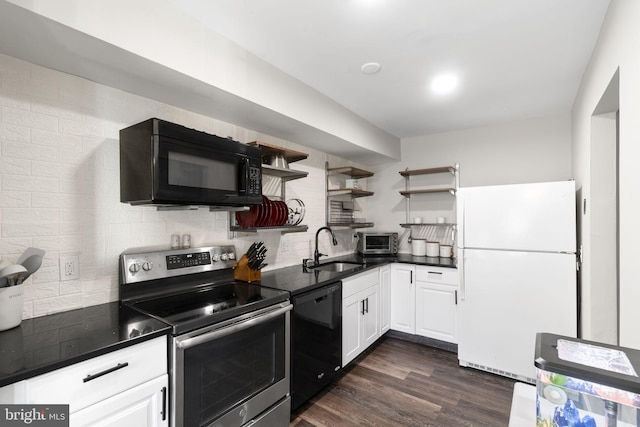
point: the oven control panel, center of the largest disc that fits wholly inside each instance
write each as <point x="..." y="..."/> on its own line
<point x="141" y="266"/>
<point x="188" y="260"/>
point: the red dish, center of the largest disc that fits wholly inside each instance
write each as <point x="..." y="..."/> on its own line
<point x="278" y="214"/>
<point x="245" y="219"/>
<point x="266" y="212"/>
<point x="284" y="212"/>
<point x="248" y="219"/>
<point x="259" y="220"/>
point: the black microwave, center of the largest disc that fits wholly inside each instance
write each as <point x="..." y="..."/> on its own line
<point x="166" y="164"/>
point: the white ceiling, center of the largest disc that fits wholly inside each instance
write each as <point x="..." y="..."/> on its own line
<point x="516" y="59"/>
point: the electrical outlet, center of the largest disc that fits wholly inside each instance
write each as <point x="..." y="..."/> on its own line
<point x="69" y="268"/>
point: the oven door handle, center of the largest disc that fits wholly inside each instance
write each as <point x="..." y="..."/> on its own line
<point x="237" y="327"/>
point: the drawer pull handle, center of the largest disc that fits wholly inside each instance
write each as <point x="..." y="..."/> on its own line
<point x="164" y="403"/>
<point x="105" y="372"/>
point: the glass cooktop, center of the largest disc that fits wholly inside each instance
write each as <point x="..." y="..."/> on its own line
<point x="208" y="305"/>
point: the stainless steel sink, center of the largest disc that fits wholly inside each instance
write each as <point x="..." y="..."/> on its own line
<point x="337" y="266"/>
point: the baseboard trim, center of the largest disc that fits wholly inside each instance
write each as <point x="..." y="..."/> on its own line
<point x="442" y="345"/>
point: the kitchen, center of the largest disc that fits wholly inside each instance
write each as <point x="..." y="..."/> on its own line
<point x="49" y="115"/>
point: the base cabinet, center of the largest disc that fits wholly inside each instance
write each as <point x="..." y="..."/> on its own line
<point x="435" y="311"/>
<point x="125" y="388"/>
<point x="385" y="299"/>
<point x="403" y="306"/>
<point x="142" y="406"/>
<point x="360" y="313"/>
<point x="436" y="300"/>
<point x="424" y="300"/>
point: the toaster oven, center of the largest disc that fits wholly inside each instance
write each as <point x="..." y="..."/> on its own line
<point x="371" y="243"/>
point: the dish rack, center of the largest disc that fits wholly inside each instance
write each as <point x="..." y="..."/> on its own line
<point x="276" y="213"/>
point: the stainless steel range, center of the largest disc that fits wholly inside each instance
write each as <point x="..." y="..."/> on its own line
<point x="229" y="352"/>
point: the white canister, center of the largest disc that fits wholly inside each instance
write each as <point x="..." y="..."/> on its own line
<point x="10" y="306"/>
<point x="418" y="247"/>
<point x="433" y="249"/>
<point x="445" y="251"/>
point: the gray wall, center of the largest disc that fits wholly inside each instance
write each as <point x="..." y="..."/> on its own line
<point x="534" y="150"/>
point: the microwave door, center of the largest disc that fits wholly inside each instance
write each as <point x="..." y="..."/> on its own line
<point x="197" y="176"/>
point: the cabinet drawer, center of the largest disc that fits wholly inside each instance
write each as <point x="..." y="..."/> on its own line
<point x="354" y="284"/>
<point x="446" y="276"/>
<point x="94" y="380"/>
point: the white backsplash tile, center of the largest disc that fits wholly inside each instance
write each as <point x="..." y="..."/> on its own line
<point x="59" y="187"/>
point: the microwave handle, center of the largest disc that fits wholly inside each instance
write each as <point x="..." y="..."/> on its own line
<point x="244" y="176"/>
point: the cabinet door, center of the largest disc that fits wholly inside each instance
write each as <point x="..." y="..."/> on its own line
<point x="121" y="370"/>
<point x="435" y="311"/>
<point x="403" y="298"/>
<point x="143" y="406"/>
<point x="385" y="299"/>
<point x="351" y="328"/>
<point x="371" y="317"/>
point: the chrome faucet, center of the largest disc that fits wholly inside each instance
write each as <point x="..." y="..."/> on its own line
<point x="316" y="253"/>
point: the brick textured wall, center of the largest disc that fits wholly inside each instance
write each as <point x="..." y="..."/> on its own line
<point x="59" y="186"/>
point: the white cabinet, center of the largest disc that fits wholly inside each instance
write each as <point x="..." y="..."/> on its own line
<point x="360" y="313"/>
<point x="127" y="387"/>
<point x="403" y="305"/>
<point x="141" y="406"/>
<point x="385" y="298"/>
<point x="424" y="300"/>
<point x="436" y="299"/>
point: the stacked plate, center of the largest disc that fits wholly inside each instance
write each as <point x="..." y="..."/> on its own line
<point x="271" y="213"/>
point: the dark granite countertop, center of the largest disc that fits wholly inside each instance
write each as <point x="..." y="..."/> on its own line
<point x="47" y="343"/>
<point x="295" y="280"/>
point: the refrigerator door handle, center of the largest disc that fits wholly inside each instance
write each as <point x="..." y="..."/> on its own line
<point x="461" y="273"/>
<point x="460" y="219"/>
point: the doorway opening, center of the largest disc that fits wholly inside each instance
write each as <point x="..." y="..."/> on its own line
<point x="603" y="287"/>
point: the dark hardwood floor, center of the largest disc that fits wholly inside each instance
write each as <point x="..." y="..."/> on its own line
<point x="400" y="383"/>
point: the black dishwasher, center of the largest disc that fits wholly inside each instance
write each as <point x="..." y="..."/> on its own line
<point x="316" y="344"/>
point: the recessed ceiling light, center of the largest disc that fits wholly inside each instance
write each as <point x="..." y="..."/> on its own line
<point x="370" y="68"/>
<point x="444" y="83"/>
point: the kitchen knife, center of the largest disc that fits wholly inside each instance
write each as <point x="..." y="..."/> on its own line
<point x="252" y="250"/>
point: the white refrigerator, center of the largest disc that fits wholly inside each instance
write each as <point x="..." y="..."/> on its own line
<point x="517" y="265"/>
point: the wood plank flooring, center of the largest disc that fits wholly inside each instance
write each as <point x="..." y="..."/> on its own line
<point x="400" y="383"/>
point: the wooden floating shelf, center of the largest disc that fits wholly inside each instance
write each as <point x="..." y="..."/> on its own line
<point x="427" y="191"/>
<point x="428" y="224"/>
<point x="351" y="224"/>
<point x="285" y="174"/>
<point x="350" y="171"/>
<point x="282" y="229"/>
<point x="428" y="171"/>
<point x="353" y="192"/>
<point x="271" y="150"/>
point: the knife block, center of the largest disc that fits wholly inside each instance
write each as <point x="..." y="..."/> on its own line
<point x="244" y="273"/>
